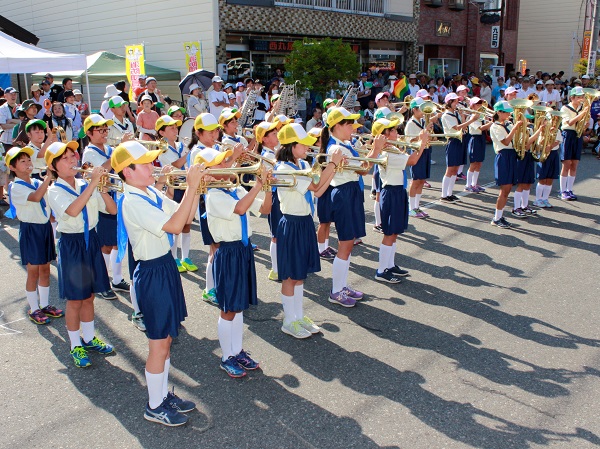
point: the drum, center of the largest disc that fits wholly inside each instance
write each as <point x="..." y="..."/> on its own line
<point x="186" y="130"/>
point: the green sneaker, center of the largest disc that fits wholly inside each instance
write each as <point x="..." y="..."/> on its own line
<point x="189" y="265"/>
<point x="180" y="266"/>
<point x="80" y="357"/>
<point x="98" y="345"/>
<point x="210" y="297"/>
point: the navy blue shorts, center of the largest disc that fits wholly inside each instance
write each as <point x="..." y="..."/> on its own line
<point x="571" y="146"/>
<point x="550" y="168"/>
<point x="157" y="284"/>
<point x="36" y="242"/>
<point x="394" y="209"/>
<point x="454" y="153"/>
<point x="324" y="207"/>
<point x="526" y="169"/>
<point x="477" y="148"/>
<point x="207" y="237"/>
<point x="505" y="167"/>
<point x="235" y="276"/>
<point x="178" y="195"/>
<point x="466" y="140"/>
<point x="81" y="271"/>
<point x="107" y="229"/>
<point x="297" y="249"/>
<point x="348" y="211"/>
<point x="422" y="169"/>
<point x="275" y="215"/>
<point x="131" y="262"/>
<point x="376" y="178"/>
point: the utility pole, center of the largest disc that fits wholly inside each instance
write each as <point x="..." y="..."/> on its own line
<point x="501" y="34"/>
<point x="591" y="67"/>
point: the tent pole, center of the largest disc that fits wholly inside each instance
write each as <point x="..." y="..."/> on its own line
<point x="28" y="91"/>
<point x="87" y="90"/>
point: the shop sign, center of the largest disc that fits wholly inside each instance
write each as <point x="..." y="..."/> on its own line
<point x="587" y="40"/>
<point x="281" y="46"/>
<point x="443" y="29"/>
<point x="495" y="36"/>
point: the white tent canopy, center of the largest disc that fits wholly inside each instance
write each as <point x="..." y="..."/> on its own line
<point x="19" y="57"/>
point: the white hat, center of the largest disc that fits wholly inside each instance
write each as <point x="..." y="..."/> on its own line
<point x="392" y="77"/>
<point x="540" y="82"/>
<point x="77" y="92"/>
<point x="151" y="78"/>
<point x="422" y="93"/>
<point x="193" y="87"/>
<point x="111" y="91"/>
<point x="585" y="77"/>
<point x="461" y="87"/>
<point x="217" y="79"/>
<point x="451" y="96"/>
<point x="473" y="101"/>
<point x="510" y="90"/>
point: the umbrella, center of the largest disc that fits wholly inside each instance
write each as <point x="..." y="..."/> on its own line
<point x="201" y="77"/>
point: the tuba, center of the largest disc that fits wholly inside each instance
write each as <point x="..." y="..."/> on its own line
<point x="590" y="96"/>
<point x="551" y="131"/>
<point x="522" y="135"/>
<point x="540" y="116"/>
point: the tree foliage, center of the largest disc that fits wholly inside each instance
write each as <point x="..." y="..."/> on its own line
<point x="320" y="63"/>
<point x="581" y="67"/>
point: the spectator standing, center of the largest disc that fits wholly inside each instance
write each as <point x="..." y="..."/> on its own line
<point x="317" y="119"/>
<point x="217" y="99"/>
<point x="105" y="111"/>
<point x="36" y="97"/>
<point x="485" y="91"/>
<point x="195" y="104"/>
<point x="72" y="112"/>
<point x="141" y="88"/>
<point x="67" y="84"/>
<point x="54" y="89"/>
<point x="147" y="118"/>
<point x="154" y="93"/>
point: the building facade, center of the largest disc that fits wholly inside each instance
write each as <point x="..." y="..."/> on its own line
<point x="458" y="36"/>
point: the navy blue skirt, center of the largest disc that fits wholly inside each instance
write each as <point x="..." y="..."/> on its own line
<point x="275" y="215"/>
<point x="131" y="262"/>
<point x="477" y="148"/>
<point x="348" y="211"/>
<point x="505" y="167"/>
<point x="550" y="168"/>
<point x="36" y="242"/>
<point x="157" y="284"/>
<point x="454" y="153"/>
<point x="394" y="209"/>
<point x="81" y="271"/>
<point x="422" y="169"/>
<point x="178" y="195"/>
<point x="377" y="178"/>
<point x="235" y="276"/>
<point x="207" y="237"/>
<point x="324" y="207"/>
<point x="297" y="248"/>
<point x="571" y="146"/>
<point x="526" y="169"/>
<point x="107" y="229"/>
<point x="466" y="140"/>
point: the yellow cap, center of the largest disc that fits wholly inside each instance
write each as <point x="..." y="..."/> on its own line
<point x="293" y="133"/>
<point x="228" y="114"/>
<point x="336" y="115"/>
<point x="206" y="121"/>
<point x="15" y="151"/>
<point x="263" y="128"/>
<point x="131" y="152"/>
<point x="166" y="120"/>
<point x="282" y="119"/>
<point x="382" y="124"/>
<point x="96" y="120"/>
<point x="57" y="149"/>
<point x="211" y="157"/>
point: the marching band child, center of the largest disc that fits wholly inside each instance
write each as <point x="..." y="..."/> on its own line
<point x="547" y="172"/>
<point x="233" y="266"/>
<point x="36" y="132"/>
<point x="28" y="203"/>
<point x="149" y="219"/>
<point x="476" y="146"/>
<point x="81" y="269"/>
<point x="298" y="251"/>
<point x="176" y="156"/>
<point x="572" y="146"/>
<point x="525" y="177"/>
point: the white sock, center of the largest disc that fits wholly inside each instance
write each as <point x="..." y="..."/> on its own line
<point x="347" y="272"/>
<point x="273" y="252"/>
<point x="237" y="332"/>
<point x="547" y="192"/>
<point x="384" y="257"/>
<point x="470" y="179"/>
<point x="44" y="293"/>
<point x="210" y="279"/>
<point x="54" y="226"/>
<point x="289" y="311"/>
<point x="418" y="201"/>
<point x="115" y="266"/>
<point x="174" y="247"/>
<point x="299" y="301"/>
<point x="338" y="272"/>
<point x="32" y="299"/>
<point x="411" y="203"/>
<point x="327" y="243"/>
<point x="186" y="242"/>
<point x="452" y="182"/>
<point x="322" y="247"/>
<point x="539" y="191"/>
<point x="133" y="296"/>
<point x="460" y="168"/>
<point x="155" y="387"/>
<point x="392" y="260"/>
<point x="74" y="338"/>
<point x="377" y="210"/>
<point x="475" y="177"/>
<point x="517" y="200"/>
<point x="525" y="198"/>
<point x="498" y="214"/>
<point x="224" y="331"/>
<point x="165" y="386"/>
<point x="445" y="184"/>
<point x="563" y="183"/>
<point x="106" y="260"/>
<point x="87" y="329"/>
<point x="570" y="182"/>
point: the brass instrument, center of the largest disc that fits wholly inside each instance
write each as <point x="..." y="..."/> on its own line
<point x="313" y="173"/>
<point x="176" y="179"/>
<point x="429" y="108"/>
<point x="110" y="181"/>
<point x="550" y="133"/>
<point x="540" y="117"/>
<point x="60" y="133"/>
<point x="395" y="116"/>
<point x="533" y="97"/>
<point x="590" y="95"/>
<point x="487" y="114"/>
<point x="451" y="135"/>
<point x="161" y="144"/>
<point x="405" y="102"/>
<point x="521" y="136"/>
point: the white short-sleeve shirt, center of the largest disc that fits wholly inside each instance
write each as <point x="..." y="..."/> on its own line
<point x="345" y="176"/>
<point x="60" y="200"/>
<point x="224" y="224"/>
<point x="570" y="113"/>
<point x="173" y="153"/>
<point x="393" y="174"/>
<point x="293" y="200"/>
<point x="28" y="211"/>
<point x="498" y="133"/>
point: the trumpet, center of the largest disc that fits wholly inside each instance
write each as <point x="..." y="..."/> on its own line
<point x="451" y="135"/>
<point x="176" y="179"/>
<point x="161" y="144"/>
<point x="486" y="113"/>
<point x="405" y="102"/>
<point x="313" y="173"/>
<point x="110" y="181"/>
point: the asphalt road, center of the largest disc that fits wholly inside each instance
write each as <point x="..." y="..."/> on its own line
<point x="492" y="342"/>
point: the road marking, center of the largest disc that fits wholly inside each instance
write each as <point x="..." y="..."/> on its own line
<point x="4" y="327"/>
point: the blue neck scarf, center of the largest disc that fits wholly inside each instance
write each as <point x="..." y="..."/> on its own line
<point x="12" y="212"/>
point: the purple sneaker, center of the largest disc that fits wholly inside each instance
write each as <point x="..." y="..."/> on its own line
<point x="461" y="176"/>
<point x="354" y="294"/>
<point x="470" y="189"/>
<point x="565" y="196"/>
<point x="479" y="188"/>
<point x="341" y="298"/>
<point x="572" y="195"/>
<point x="328" y="254"/>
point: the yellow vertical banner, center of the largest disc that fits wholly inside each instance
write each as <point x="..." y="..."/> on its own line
<point x="193" y="59"/>
<point x="134" y="67"/>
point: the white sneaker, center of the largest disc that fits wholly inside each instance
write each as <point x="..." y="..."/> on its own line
<point x="309" y="325"/>
<point x="295" y="329"/>
<point x="137" y="319"/>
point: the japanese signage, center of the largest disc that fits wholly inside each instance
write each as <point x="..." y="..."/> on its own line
<point x="193" y="59"/>
<point x="495" y="37"/>
<point x="443" y="29"/>
<point x="281" y="46"/>
<point x="587" y="41"/>
<point x="134" y="66"/>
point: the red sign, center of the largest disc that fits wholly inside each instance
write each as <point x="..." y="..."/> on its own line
<point x="585" y="48"/>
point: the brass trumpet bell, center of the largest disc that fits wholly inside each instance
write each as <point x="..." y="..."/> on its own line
<point x="161" y="144"/>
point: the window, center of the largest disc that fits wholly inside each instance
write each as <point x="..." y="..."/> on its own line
<point x="365" y="7"/>
<point x="457" y="4"/>
<point x="433" y="3"/>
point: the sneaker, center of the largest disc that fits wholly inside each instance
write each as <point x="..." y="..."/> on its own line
<point x="122" y="286"/>
<point x="529" y="211"/>
<point x="399" y="271"/>
<point x="341" y="298"/>
<point x="354" y="294"/>
<point x="53" y="312"/>
<point x="373" y="196"/>
<point x="210" y="297"/>
<point x="273" y="276"/>
<point x="427" y="185"/>
<point x="547" y="204"/>
<point x="232" y="367"/>
<point x="454" y="198"/>
<point x="470" y="189"/>
<point x="137" y="319"/>
<point x="423" y="213"/>
<point x="38" y="317"/>
<point x="180" y="266"/>
<point x="518" y="212"/>
<point x="413" y="213"/>
<point x="357" y="242"/>
<point x="309" y="325"/>
<point x="378" y="228"/>
<point x="165" y="415"/>
<point x="332" y="251"/>
<point x="181" y="405"/>
<point x="499" y="223"/>
<point x="446" y="199"/>
<point x="246" y="362"/>
<point x="188" y="264"/>
<point x="565" y="196"/>
<point x="479" y="188"/>
<point x="327" y="254"/>
<point x="573" y="196"/>
<point x="296" y="330"/>
<point x="388" y="276"/>
<point x="539" y="203"/>
<point x="108" y="295"/>
<point x="80" y="357"/>
<point x="255" y="248"/>
<point x="461" y="176"/>
<point x="98" y="345"/>
<point x="503" y="220"/>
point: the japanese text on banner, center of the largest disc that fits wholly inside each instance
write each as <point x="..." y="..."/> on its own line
<point x="193" y="59"/>
<point x="134" y="67"/>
